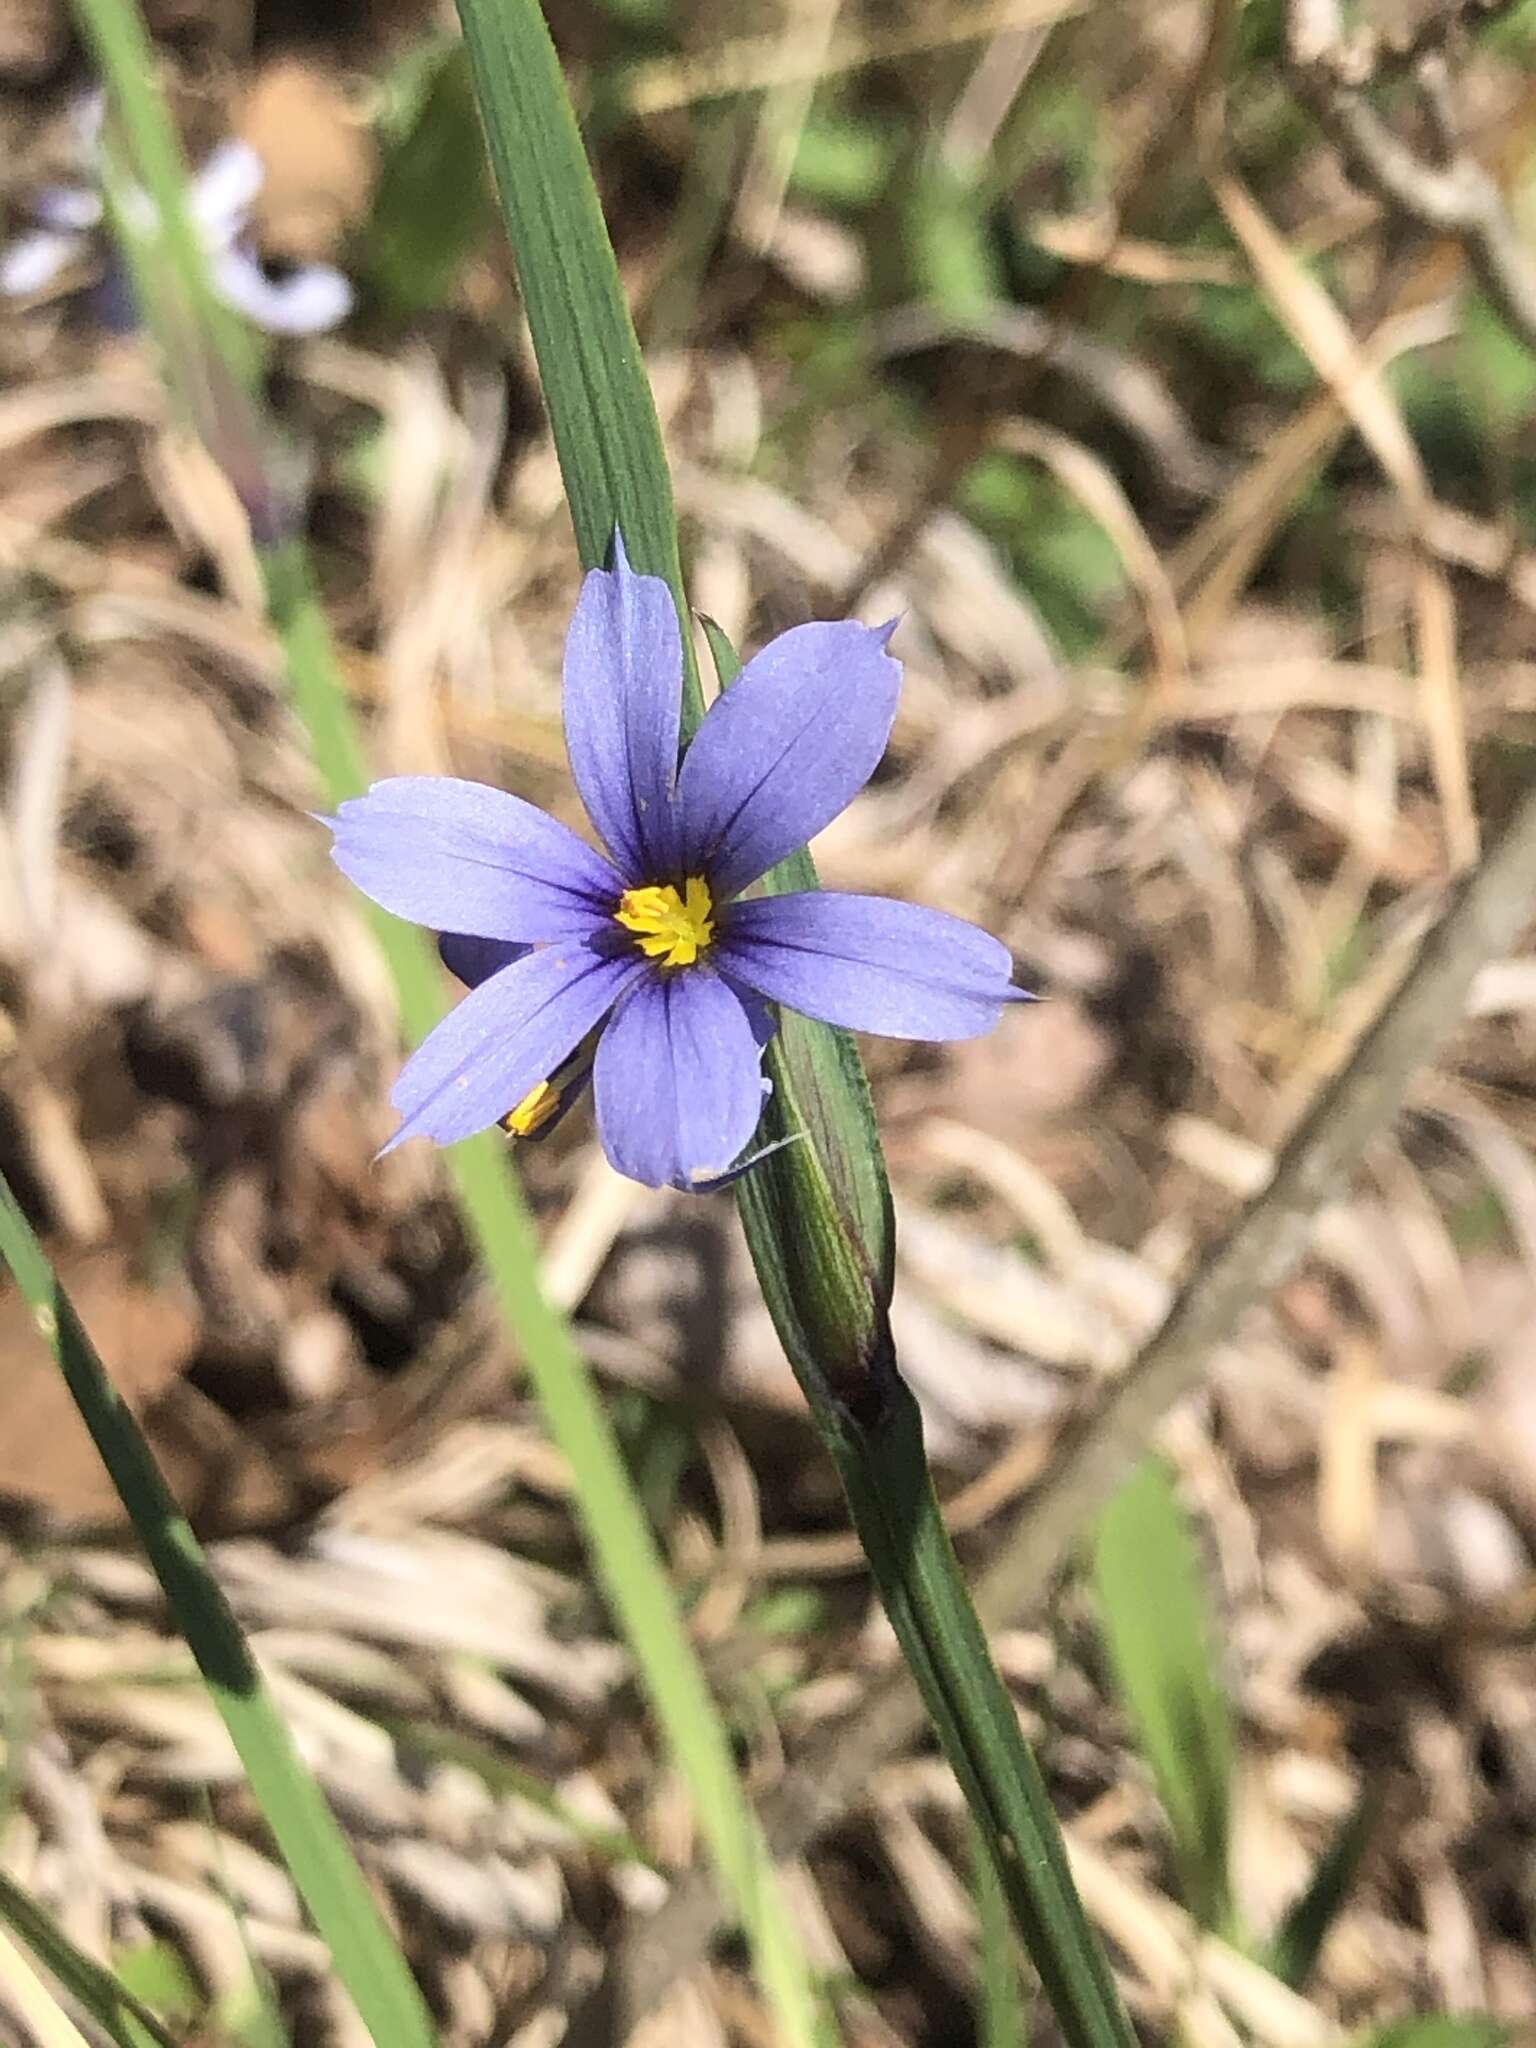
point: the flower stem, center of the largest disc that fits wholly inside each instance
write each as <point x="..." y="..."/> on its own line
<point x="817" y="1214"/>
<point x="884" y="1470"/>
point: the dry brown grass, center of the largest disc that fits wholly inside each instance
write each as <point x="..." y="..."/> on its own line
<point x="1213" y="845"/>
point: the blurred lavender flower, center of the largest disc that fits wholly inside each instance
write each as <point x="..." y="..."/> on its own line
<point x="68" y="219"/>
<point x="646" y="970"/>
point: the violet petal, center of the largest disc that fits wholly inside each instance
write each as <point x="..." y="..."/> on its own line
<point x="784" y="749"/>
<point x="623" y="683"/>
<point x="869" y="964"/>
<point x="678" y="1083"/>
<point x="507" y="1035"/>
<point x="457" y="856"/>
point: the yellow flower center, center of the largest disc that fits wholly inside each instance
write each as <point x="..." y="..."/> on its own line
<point x="536" y="1108"/>
<point x="670" y="927"/>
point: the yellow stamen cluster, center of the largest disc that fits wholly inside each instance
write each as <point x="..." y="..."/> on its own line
<point x="535" y="1109"/>
<point x="669" y="927"/>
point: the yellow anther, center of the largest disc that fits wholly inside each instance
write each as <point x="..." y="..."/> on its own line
<point x="671" y="928"/>
<point x="536" y="1108"/>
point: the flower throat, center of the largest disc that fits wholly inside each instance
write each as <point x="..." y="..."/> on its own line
<point x="671" y="927"/>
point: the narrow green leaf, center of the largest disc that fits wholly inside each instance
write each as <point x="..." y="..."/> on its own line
<point x="209" y="358"/>
<point x="1158" y="1630"/>
<point x="302" y="1825"/>
<point x="1003" y="2018"/>
<point x="124" y="53"/>
<point x="117" y="2012"/>
<point x="126" y="2020"/>
<point x="880" y="1459"/>
<point x="1295" y="1949"/>
<point x="600" y="407"/>
<point x="609" y="443"/>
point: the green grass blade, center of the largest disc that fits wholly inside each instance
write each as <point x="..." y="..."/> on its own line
<point x="123" y="2018"/>
<point x="820" y="1093"/>
<point x="124" y="54"/>
<point x="1295" y="1949"/>
<point x="1158" y="1630"/>
<point x="600" y="408"/>
<point x="870" y="1423"/>
<point x="1003" y="2017"/>
<point x="302" y="1825"/>
<point x="884" y="1470"/>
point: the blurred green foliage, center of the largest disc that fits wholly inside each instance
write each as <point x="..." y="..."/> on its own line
<point x="432" y="206"/>
<point x="1293" y="1953"/>
<point x="1162" y="1649"/>
<point x="1060" y="555"/>
<point x="1442" y="2030"/>
<point x="154" y="1972"/>
<point x="844" y="159"/>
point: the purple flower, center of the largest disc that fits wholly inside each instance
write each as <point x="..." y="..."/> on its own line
<point x="647" y="969"/>
<point x="68" y="218"/>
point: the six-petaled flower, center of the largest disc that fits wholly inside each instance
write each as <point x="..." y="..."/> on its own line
<point x="649" y="969"/>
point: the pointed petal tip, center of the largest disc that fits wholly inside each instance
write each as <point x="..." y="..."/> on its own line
<point x="883" y="633"/>
<point x="871" y="963"/>
<point x="786" y="748"/>
<point x="622" y="683"/>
